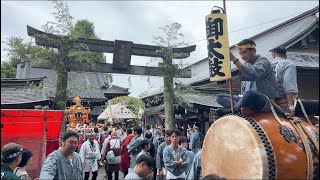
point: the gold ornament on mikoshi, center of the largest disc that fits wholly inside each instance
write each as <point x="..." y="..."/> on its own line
<point x="218" y="46"/>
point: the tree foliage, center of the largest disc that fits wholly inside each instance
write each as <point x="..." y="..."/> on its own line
<point x="85" y="29"/>
<point x="7" y="70"/>
<point x="169" y="38"/>
<point x="16" y="50"/>
<point x="63" y="21"/>
<point x="132" y="103"/>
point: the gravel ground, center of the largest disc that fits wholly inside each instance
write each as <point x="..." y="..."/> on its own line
<point x="102" y="173"/>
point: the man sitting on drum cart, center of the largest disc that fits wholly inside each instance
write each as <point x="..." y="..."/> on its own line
<point x="258" y="82"/>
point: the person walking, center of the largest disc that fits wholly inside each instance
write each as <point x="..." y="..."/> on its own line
<point x="90" y="155"/>
<point x="134" y="146"/>
<point x="64" y="163"/>
<point x="125" y="159"/>
<point x="113" y="145"/>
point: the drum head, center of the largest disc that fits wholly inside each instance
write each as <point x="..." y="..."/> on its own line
<point x="233" y="149"/>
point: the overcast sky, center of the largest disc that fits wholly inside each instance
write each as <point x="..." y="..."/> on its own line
<point x="139" y="21"/>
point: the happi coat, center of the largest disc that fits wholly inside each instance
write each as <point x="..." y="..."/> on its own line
<point x="89" y="155"/>
<point x="58" y="167"/>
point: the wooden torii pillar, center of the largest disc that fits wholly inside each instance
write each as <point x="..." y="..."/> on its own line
<point x="122" y="52"/>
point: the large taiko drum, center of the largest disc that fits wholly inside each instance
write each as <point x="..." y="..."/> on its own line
<point x="257" y="147"/>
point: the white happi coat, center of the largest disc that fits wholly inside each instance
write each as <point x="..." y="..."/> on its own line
<point x="89" y="156"/>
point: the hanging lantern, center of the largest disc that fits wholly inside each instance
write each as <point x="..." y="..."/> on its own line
<point x="218" y="45"/>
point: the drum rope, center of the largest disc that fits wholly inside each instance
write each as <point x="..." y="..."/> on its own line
<point x="296" y="123"/>
<point x="302" y="131"/>
<point x="304" y="111"/>
<point x="272" y="104"/>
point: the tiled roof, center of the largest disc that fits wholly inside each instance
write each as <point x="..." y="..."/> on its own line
<point x="285" y="34"/>
<point x="16" y="91"/>
<point x="188" y="100"/>
<point x="197" y="98"/>
<point x="84" y="84"/>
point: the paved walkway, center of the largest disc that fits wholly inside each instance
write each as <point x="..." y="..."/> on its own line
<point x="102" y="173"/>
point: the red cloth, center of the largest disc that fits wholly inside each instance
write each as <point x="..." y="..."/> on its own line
<point x="97" y="138"/>
<point x="81" y="141"/>
<point x="102" y="141"/>
<point x="125" y="159"/>
<point x="36" y="130"/>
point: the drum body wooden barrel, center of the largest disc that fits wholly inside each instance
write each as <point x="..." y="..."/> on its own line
<point x="257" y="147"/>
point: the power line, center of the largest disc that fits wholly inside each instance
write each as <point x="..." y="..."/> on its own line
<point x="251" y="26"/>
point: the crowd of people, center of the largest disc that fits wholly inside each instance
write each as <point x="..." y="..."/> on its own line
<point x="138" y="152"/>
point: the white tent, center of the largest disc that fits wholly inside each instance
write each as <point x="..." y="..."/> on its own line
<point x="118" y="111"/>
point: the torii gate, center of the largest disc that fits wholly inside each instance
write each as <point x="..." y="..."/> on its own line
<point x="122" y="51"/>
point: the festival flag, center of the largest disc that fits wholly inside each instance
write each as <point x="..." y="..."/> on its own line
<point x="218" y="46"/>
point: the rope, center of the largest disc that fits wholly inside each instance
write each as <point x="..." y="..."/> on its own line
<point x="272" y="104"/>
<point x="304" y="111"/>
<point x="314" y="141"/>
<point x="302" y="131"/>
<point x="296" y="123"/>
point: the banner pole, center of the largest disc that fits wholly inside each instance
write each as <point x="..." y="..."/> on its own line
<point x="230" y="80"/>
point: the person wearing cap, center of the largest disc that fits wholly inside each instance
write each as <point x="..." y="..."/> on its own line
<point x="90" y="155"/>
<point x="195" y="140"/>
<point x="258" y="81"/>
<point x="11" y="155"/>
<point x="286" y="73"/>
<point x="63" y="163"/>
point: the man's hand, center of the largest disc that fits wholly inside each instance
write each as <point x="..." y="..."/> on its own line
<point x="160" y="172"/>
<point x="291" y="110"/>
<point x="180" y="161"/>
<point x="232" y="57"/>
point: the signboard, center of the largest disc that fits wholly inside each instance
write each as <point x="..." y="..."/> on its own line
<point x="122" y="54"/>
<point x="218" y="46"/>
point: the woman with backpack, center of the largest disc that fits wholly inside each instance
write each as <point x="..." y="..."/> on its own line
<point x="112" y="155"/>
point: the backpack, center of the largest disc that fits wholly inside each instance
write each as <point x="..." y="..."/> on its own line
<point x="111" y="158"/>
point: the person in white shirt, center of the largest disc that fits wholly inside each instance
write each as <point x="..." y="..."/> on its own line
<point x="90" y="154"/>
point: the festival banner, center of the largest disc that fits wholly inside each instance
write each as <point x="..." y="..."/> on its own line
<point x="218" y="46"/>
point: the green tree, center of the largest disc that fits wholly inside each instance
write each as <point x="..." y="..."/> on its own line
<point x="16" y="50"/>
<point x="132" y="103"/>
<point x="58" y="60"/>
<point x="7" y="70"/>
<point x="85" y="29"/>
<point x="170" y="38"/>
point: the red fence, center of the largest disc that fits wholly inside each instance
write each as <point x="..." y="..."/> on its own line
<point x="36" y="130"/>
